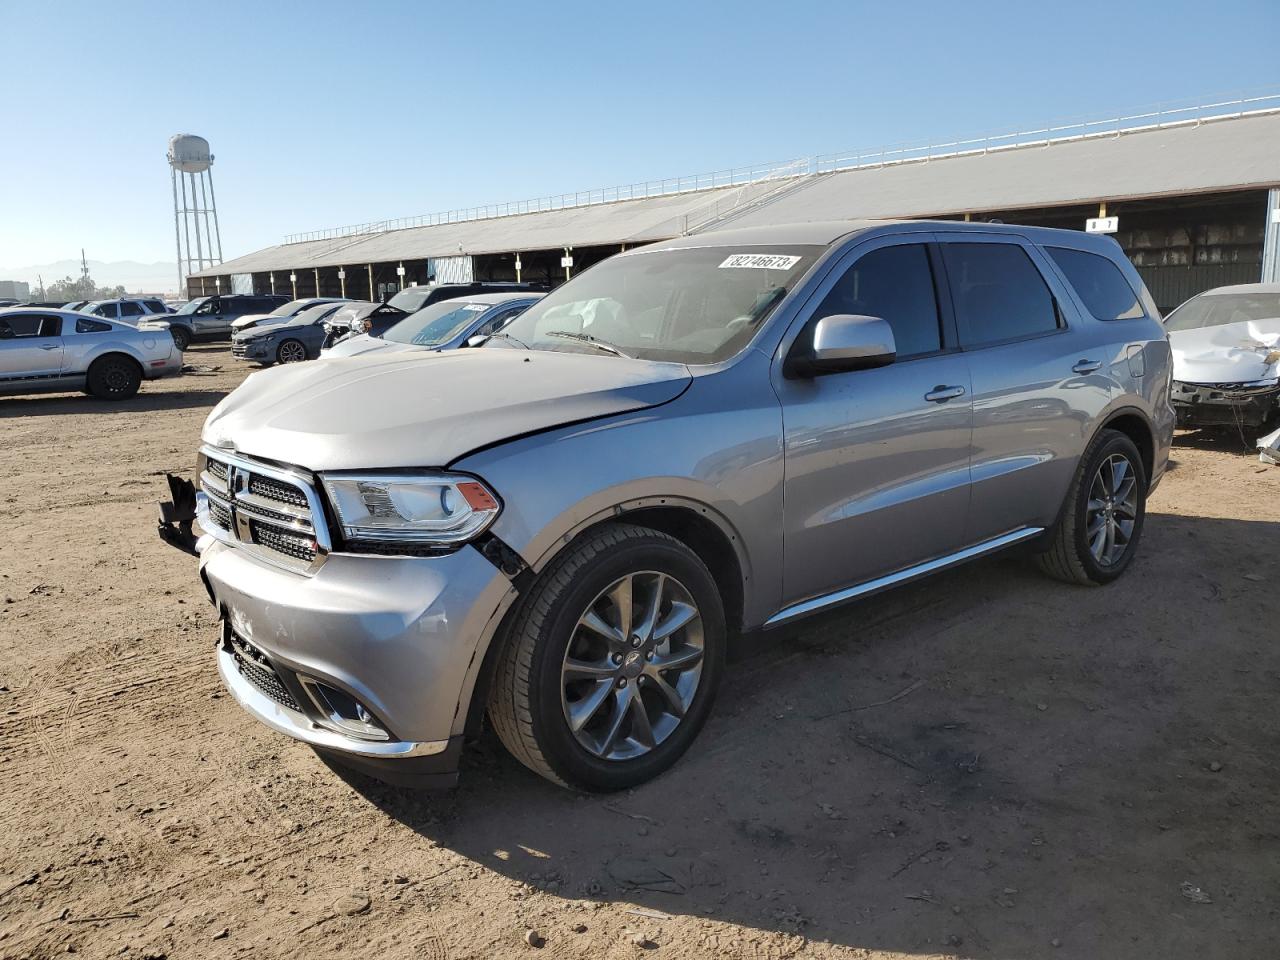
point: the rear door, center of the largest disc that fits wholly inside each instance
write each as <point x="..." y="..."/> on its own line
<point x="877" y="461"/>
<point x="30" y="346"/>
<point x="1039" y="379"/>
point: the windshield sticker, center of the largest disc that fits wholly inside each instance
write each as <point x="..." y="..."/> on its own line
<point x="475" y="306"/>
<point x="760" y="261"/>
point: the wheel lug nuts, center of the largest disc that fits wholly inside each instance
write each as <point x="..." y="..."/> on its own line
<point x="617" y="658"/>
<point x="622" y="682"/>
<point x="635" y="641"/>
<point x="649" y="655"/>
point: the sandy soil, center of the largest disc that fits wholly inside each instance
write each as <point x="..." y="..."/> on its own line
<point x="989" y="764"/>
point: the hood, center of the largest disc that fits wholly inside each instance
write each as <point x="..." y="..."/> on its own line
<point x="419" y="408"/>
<point x="260" y="329"/>
<point x="256" y="320"/>
<point x="1230" y="353"/>
<point x="363" y="343"/>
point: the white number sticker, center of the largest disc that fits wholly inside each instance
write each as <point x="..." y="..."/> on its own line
<point x="760" y="261"/>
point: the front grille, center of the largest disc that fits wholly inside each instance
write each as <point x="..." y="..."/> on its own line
<point x="239" y="348"/>
<point x="275" y="490"/>
<point x="257" y="669"/>
<point x="270" y="510"/>
<point x="290" y="544"/>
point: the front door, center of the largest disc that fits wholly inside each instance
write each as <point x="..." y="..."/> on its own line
<point x="877" y="461"/>
<point x="30" y="346"/>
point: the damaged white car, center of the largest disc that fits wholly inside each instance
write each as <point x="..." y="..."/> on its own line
<point x="1226" y="357"/>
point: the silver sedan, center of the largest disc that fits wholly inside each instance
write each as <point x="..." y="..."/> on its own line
<point x="47" y="351"/>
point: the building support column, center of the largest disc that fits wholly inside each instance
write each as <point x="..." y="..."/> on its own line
<point x="316" y="273"/>
<point x="371" y="296"/>
<point x="272" y="275"/>
<point x="342" y="280"/>
<point x="1271" y="238"/>
<point x="293" y="280"/>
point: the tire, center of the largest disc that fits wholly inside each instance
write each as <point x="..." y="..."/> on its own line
<point x="181" y="337"/>
<point x="291" y="351"/>
<point x="114" y="377"/>
<point x="1071" y="556"/>
<point x="532" y="696"/>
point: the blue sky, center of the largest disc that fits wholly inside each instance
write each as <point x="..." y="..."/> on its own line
<point x="321" y="114"/>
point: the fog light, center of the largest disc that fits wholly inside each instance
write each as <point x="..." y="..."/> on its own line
<point x="343" y="712"/>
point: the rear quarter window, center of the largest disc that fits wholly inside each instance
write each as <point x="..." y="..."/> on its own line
<point x="1099" y="283"/>
<point x="85" y="325"/>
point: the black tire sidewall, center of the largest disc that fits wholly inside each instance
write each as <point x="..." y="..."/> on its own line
<point x="181" y="338"/>
<point x="567" y="757"/>
<point x="97" y="378"/>
<point x="1112" y="444"/>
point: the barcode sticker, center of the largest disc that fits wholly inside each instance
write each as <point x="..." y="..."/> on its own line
<point x="760" y="261"/>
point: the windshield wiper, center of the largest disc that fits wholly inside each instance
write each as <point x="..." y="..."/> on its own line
<point x="596" y="342"/>
<point x="507" y="336"/>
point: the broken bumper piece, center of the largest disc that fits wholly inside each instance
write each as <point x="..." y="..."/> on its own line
<point x="1224" y="404"/>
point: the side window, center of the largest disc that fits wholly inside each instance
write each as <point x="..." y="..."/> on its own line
<point x="85" y="325"/>
<point x="131" y="308"/>
<point x="998" y="293"/>
<point x="1099" y="283"/>
<point x="896" y="284"/>
<point x="155" y="306"/>
<point x="494" y="324"/>
<point x="107" y="310"/>
<point x="19" y="325"/>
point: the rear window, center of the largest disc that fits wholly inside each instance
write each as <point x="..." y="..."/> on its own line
<point x="85" y="325"/>
<point x="156" y="306"/>
<point x="998" y="292"/>
<point x="1100" y="284"/>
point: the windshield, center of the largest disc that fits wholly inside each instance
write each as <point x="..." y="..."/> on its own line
<point x="691" y="305"/>
<point x="193" y="305"/>
<point x="1215" y="309"/>
<point x="410" y="299"/>
<point x="288" y="309"/>
<point x="437" y="323"/>
<point x="313" y="315"/>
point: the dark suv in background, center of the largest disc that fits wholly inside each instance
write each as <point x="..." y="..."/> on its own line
<point x="209" y="318"/>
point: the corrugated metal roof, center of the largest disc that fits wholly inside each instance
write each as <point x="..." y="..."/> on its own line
<point x="627" y="221"/>
<point x="1213" y="155"/>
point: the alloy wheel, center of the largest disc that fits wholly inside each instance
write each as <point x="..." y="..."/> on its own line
<point x="1112" y="511"/>
<point x="291" y="351"/>
<point x="632" y="666"/>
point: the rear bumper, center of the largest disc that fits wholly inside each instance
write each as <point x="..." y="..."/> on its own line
<point x="170" y="366"/>
<point x="1229" y="405"/>
<point x="402" y="636"/>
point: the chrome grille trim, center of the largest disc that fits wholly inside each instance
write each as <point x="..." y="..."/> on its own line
<point x="277" y="527"/>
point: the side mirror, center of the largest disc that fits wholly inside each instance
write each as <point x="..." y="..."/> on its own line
<point x="840" y="342"/>
<point x="478" y="340"/>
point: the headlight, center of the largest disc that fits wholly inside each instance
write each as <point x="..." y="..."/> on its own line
<point x="439" y="509"/>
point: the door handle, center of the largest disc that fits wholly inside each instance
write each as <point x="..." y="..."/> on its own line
<point x="943" y="393"/>
<point x="1086" y="366"/>
<point x="50" y="346"/>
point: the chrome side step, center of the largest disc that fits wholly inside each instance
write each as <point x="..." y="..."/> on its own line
<point x="806" y="607"/>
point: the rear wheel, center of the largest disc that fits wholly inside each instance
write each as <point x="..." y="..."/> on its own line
<point x="291" y="351"/>
<point x="114" y="377"/>
<point x="181" y="337"/>
<point x="1101" y="523"/>
<point x="612" y="663"/>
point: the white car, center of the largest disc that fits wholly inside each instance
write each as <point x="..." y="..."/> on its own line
<point x="49" y="351"/>
<point x="281" y="314"/>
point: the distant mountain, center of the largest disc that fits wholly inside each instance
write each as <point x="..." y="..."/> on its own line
<point x="135" y="277"/>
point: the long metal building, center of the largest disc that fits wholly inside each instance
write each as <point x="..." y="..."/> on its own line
<point x="1192" y="194"/>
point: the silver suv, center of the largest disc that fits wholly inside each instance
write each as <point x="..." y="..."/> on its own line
<point x="727" y="432"/>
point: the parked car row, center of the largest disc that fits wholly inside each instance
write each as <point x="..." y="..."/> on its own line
<point x="561" y="528"/>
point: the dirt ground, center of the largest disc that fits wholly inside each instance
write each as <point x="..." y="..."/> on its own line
<point x="986" y="765"/>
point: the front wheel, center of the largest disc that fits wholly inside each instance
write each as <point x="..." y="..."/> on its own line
<point x="181" y="337"/>
<point x="291" y="351"/>
<point x="1101" y="523"/>
<point x="612" y="663"/>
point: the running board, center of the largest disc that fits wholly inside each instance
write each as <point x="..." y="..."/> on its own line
<point x="902" y="576"/>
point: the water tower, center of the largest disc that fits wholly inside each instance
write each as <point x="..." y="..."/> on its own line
<point x="189" y="163"/>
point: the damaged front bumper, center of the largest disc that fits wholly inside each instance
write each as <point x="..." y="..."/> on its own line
<point x="1225" y="404"/>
